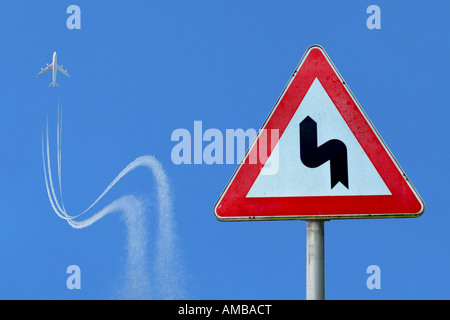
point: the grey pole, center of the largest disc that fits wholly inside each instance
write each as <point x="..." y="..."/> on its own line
<point x="315" y="260"/>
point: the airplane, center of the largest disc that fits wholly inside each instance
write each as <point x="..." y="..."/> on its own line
<point x="54" y="67"/>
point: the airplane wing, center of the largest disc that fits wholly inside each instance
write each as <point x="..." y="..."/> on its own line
<point x="63" y="71"/>
<point x="43" y="70"/>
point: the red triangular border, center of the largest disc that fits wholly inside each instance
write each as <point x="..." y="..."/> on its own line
<point x="404" y="200"/>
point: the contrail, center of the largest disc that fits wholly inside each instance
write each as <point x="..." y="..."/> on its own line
<point x="167" y="270"/>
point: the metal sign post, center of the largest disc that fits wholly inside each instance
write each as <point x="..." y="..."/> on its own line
<point x="315" y="260"/>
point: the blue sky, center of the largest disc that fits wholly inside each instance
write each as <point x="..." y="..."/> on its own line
<point x="141" y="69"/>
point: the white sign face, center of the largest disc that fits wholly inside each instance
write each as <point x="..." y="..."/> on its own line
<point x="295" y="179"/>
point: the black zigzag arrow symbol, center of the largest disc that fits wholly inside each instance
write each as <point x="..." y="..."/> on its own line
<point x="314" y="156"/>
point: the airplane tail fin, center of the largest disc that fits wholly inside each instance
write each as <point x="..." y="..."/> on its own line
<point x="53" y="84"/>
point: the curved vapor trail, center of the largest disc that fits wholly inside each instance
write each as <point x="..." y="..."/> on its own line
<point x="168" y="273"/>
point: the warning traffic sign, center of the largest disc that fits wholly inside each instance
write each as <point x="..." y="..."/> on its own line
<point x="326" y="161"/>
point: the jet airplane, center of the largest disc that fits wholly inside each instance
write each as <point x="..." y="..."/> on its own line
<point x="54" y="68"/>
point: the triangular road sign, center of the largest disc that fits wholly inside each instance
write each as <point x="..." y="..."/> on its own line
<point x="323" y="158"/>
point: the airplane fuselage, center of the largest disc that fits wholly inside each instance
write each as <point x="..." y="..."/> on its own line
<point x="54" y="68"/>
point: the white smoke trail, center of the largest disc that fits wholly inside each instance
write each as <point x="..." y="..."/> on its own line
<point x="137" y="280"/>
<point x="169" y="278"/>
